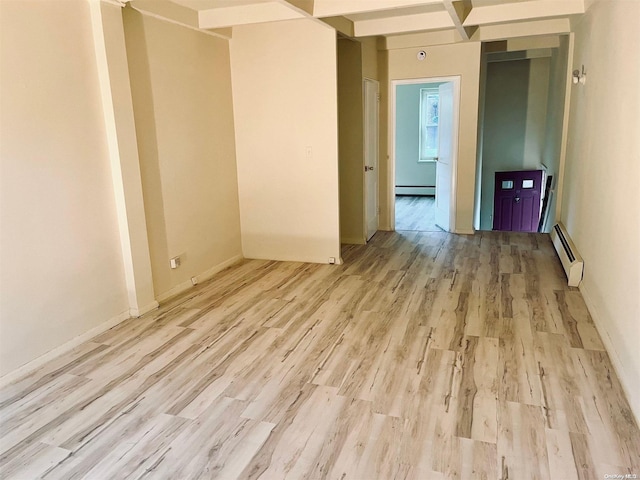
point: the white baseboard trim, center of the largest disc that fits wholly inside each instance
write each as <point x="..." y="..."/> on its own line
<point x="204" y="276"/>
<point x="611" y="350"/>
<point x="38" y="362"/>
<point x="138" y="312"/>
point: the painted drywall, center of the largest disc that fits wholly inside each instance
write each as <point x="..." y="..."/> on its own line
<point x="115" y="88"/>
<point x="285" y="104"/>
<point x="480" y="135"/>
<point x="410" y="172"/>
<point x="555" y="117"/>
<point x="601" y="195"/>
<point x="369" y="57"/>
<point x="385" y="187"/>
<point x="514" y="123"/>
<point x="442" y="60"/>
<point x="181" y="86"/>
<point x="62" y="272"/>
<point x="537" y="98"/>
<point x="351" y="142"/>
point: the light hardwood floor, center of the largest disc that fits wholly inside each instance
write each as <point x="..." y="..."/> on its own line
<point x="424" y="356"/>
<point x="417" y="213"/>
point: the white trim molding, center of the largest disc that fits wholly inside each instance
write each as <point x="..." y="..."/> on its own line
<point x="391" y="167"/>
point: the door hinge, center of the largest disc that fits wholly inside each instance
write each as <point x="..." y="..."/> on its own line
<point x="378" y="210"/>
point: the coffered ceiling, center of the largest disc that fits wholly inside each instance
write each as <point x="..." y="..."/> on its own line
<point x="360" y="18"/>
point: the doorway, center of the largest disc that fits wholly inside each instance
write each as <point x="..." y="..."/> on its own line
<point x="370" y="133"/>
<point x="425" y="115"/>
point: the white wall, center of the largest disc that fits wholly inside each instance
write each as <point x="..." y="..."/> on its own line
<point x="601" y="195"/>
<point x="442" y="61"/>
<point x="61" y="264"/>
<point x="285" y="100"/>
<point x="181" y="85"/>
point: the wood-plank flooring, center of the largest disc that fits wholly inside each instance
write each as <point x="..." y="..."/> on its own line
<point x="424" y="356"/>
<point x="417" y="213"/>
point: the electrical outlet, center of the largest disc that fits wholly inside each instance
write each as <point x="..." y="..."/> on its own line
<point x="332" y="260"/>
<point x="174" y="262"/>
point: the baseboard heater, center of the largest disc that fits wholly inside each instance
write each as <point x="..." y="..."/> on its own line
<point x="415" y="190"/>
<point x="568" y="254"/>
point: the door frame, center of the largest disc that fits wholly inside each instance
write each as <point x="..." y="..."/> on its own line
<point x="391" y="187"/>
<point x="376" y="172"/>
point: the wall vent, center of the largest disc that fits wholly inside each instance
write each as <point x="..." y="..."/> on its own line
<point x="569" y="256"/>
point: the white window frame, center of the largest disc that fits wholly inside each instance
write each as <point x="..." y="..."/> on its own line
<point x="430" y="155"/>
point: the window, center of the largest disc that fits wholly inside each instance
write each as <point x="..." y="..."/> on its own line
<point x="429" y="100"/>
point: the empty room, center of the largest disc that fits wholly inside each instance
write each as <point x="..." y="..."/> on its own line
<point x="307" y="239"/>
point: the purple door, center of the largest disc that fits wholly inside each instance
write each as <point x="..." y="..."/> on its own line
<point x="516" y="201"/>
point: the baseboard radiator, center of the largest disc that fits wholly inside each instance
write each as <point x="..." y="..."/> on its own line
<point x="568" y="254"/>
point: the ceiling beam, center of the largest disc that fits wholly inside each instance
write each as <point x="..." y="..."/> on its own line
<point x="524" y="29"/>
<point x="470" y="32"/>
<point x="519" y="11"/>
<point x="226" y="32"/>
<point x="341" y="24"/>
<point x="437" y="37"/>
<point x="176" y="14"/>
<point x="247" y="14"/>
<point x="167" y="10"/>
<point x="334" y="8"/>
<point x="304" y="7"/>
<point x="458" y="10"/>
<point x="530" y="43"/>
<point x="403" y="24"/>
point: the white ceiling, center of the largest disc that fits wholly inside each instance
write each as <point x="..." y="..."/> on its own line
<point x="468" y="19"/>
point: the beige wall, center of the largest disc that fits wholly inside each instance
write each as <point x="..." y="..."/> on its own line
<point x="601" y="195"/>
<point x="61" y="264"/>
<point x="370" y="57"/>
<point x="285" y="100"/>
<point x="181" y="87"/>
<point x="357" y="59"/>
<point x="552" y="149"/>
<point x="115" y="87"/>
<point x="442" y="60"/>
<point x="351" y="141"/>
<point x="384" y="143"/>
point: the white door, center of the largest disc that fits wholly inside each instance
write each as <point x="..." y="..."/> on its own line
<point x="371" y="157"/>
<point x="445" y="156"/>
